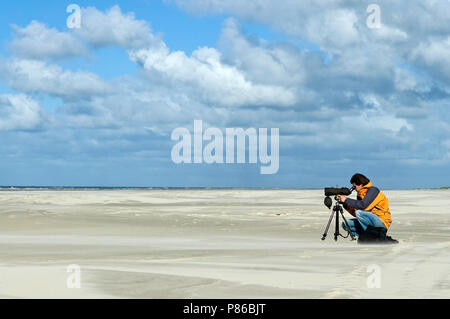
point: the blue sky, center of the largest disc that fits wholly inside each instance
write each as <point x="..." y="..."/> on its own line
<point x="96" y="106"/>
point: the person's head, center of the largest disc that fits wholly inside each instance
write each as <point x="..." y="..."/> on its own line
<point x="358" y="181"/>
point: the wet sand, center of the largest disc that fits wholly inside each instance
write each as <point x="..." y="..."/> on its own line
<point x="215" y="244"/>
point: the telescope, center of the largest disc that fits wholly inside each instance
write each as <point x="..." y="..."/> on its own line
<point x="337" y="209"/>
<point x="332" y="191"/>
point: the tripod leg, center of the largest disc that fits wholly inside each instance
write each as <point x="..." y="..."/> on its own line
<point x="328" y="225"/>
<point x="346" y="224"/>
<point x="336" y="230"/>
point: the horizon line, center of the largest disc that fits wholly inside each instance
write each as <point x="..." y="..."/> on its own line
<point x="43" y="187"/>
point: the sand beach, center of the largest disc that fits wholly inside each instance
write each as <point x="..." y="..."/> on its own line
<point x="204" y="243"/>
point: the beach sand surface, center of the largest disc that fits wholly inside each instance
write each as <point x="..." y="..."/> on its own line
<point x="215" y="244"/>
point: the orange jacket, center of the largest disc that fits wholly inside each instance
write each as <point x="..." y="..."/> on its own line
<point x="371" y="199"/>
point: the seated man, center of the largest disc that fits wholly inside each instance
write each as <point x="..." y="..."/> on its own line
<point x="371" y="207"/>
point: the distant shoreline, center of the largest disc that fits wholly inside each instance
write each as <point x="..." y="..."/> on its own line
<point x="100" y="188"/>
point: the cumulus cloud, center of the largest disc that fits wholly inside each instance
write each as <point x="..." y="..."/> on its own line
<point x="284" y="63"/>
<point x="404" y="80"/>
<point x="435" y="54"/>
<point x="333" y="29"/>
<point x="327" y="23"/>
<point x="20" y="112"/>
<point x="206" y="76"/>
<point x="37" y="41"/>
<point x="338" y="26"/>
<point x="114" y="28"/>
<point x="99" y="29"/>
<point x="37" y="76"/>
<point x="376" y="118"/>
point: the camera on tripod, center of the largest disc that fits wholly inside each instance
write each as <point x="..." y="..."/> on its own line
<point x="337" y="209"/>
<point x="332" y="191"/>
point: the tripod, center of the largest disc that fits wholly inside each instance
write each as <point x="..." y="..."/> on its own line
<point x="336" y="210"/>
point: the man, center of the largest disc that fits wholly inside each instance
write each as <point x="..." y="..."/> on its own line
<point x="371" y="207"/>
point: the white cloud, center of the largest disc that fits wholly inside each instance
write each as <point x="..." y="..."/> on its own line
<point x="114" y="28"/>
<point x="334" y="29"/>
<point x="434" y="53"/>
<point x="327" y="23"/>
<point x="339" y="25"/>
<point x="404" y="80"/>
<point x="111" y="28"/>
<point x="204" y="75"/>
<point x="37" y="76"/>
<point x="284" y="64"/>
<point x="387" y="33"/>
<point x="20" y="112"/>
<point x="36" y="41"/>
<point x="375" y="117"/>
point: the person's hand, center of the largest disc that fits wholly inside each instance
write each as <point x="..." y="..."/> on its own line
<point x="342" y="198"/>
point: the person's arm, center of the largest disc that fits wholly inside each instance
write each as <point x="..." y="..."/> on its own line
<point x="362" y="204"/>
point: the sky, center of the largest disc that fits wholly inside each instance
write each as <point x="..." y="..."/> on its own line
<point x="352" y="88"/>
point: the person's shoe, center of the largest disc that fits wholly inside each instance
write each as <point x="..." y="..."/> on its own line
<point x="375" y="235"/>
